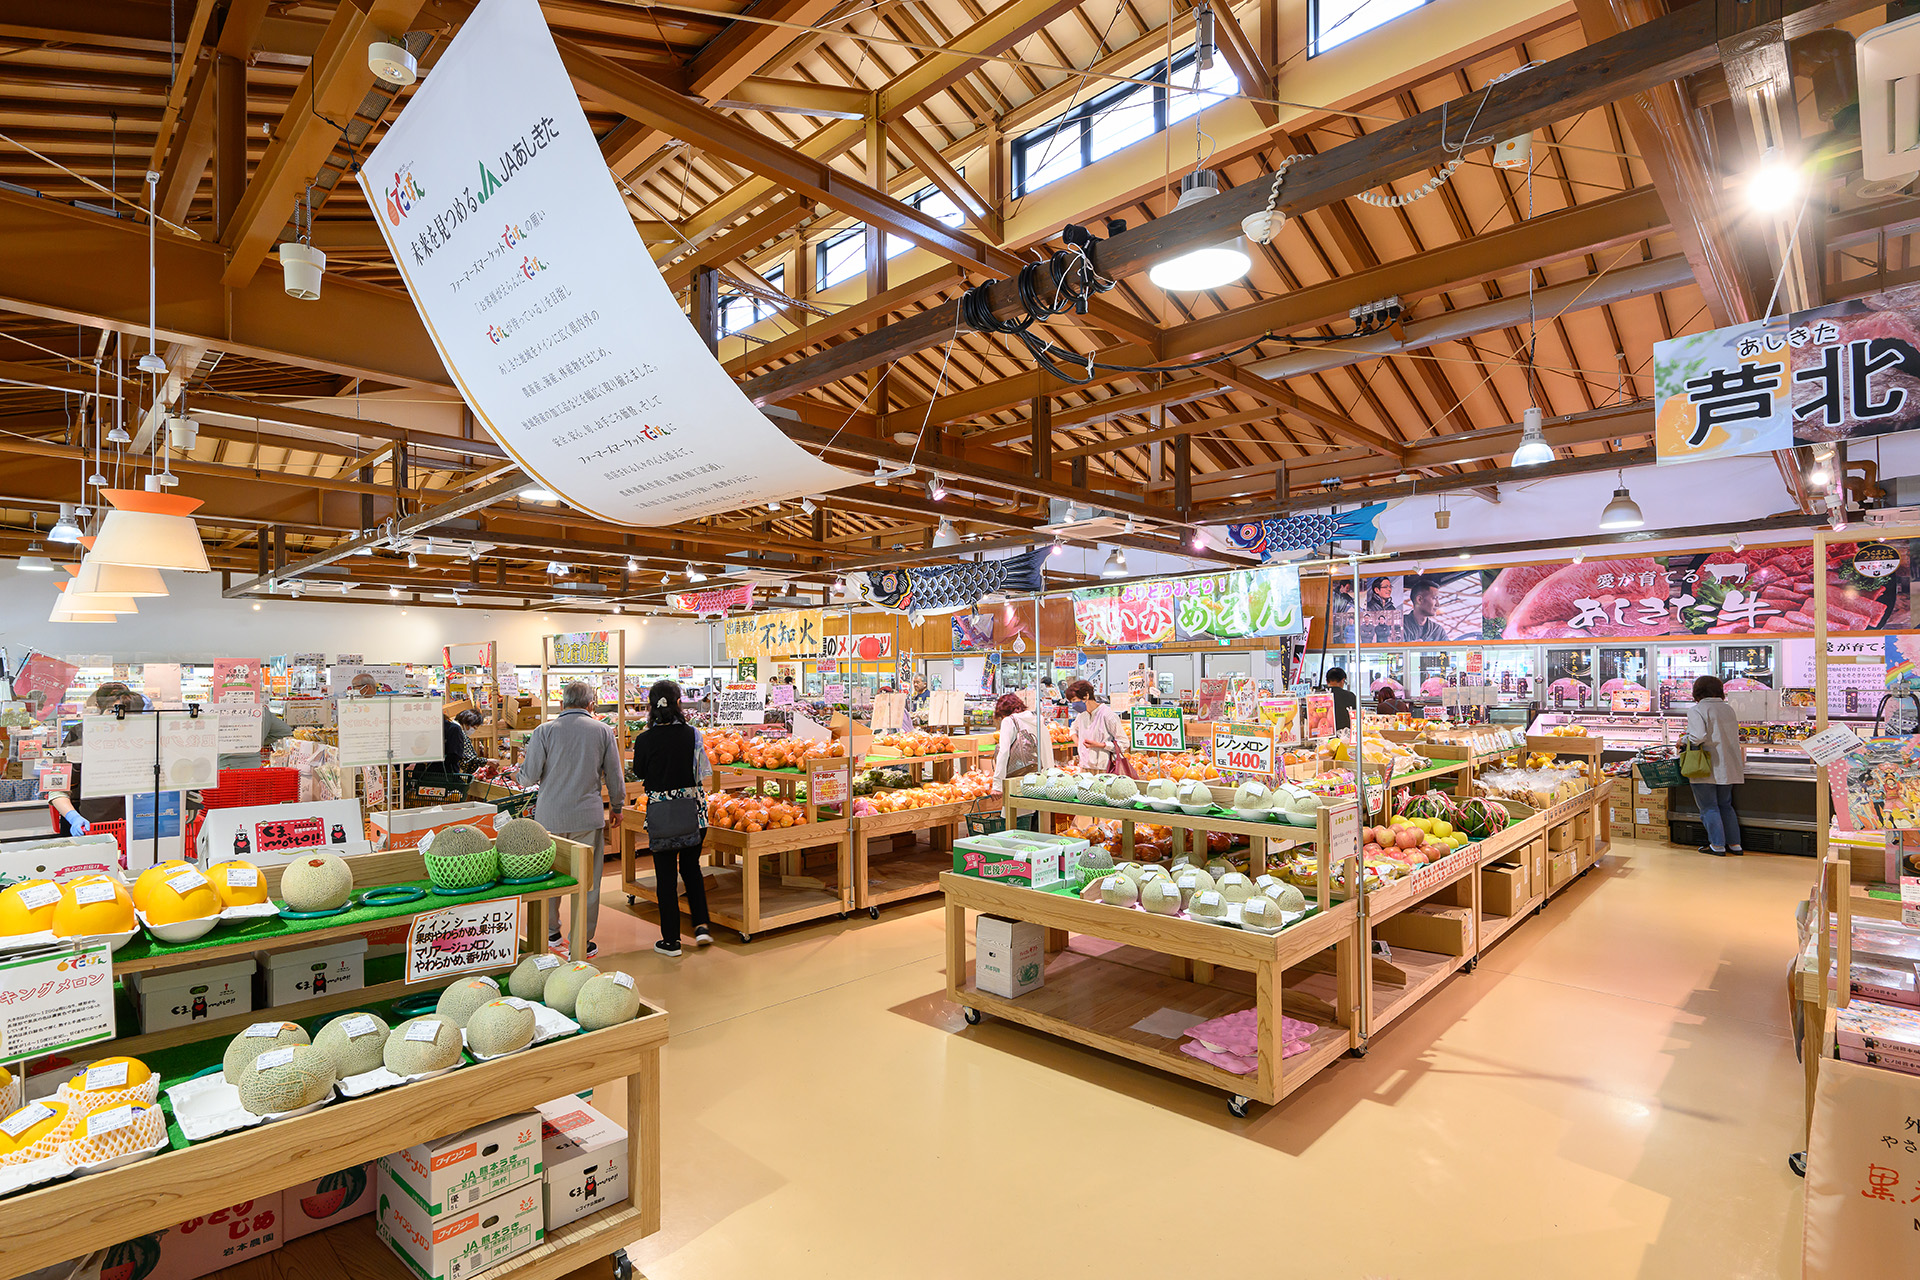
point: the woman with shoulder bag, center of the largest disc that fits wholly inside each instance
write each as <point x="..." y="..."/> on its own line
<point x="1712" y="727"/>
<point x="1097" y="731"/>
<point x="670" y="760"/>
<point x="1025" y="746"/>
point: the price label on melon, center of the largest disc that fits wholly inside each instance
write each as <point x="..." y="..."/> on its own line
<point x="186" y="881"/>
<point x="242" y="877"/>
<point x="93" y="891"/>
<point x="273" y="1058"/>
<point x="426" y="1031"/>
<point x="25" y="1118"/>
<point x="1243" y="748"/>
<point x="360" y="1024"/>
<point x="263" y="1030"/>
<point x="548" y="961"/>
<point x="107" y="1121"/>
<point x="108" y="1075"/>
<point x="623" y="978"/>
<point x="516" y="1002"/>
<point x="35" y="896"/>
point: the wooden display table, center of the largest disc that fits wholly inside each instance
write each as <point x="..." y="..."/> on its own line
<point x="901" y="867"/>
<point x="1264" y="839"/>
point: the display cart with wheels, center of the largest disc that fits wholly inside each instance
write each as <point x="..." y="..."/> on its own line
<point x="900" y="855"/>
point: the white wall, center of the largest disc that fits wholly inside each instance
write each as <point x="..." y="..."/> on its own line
<point x="196" y="624"/>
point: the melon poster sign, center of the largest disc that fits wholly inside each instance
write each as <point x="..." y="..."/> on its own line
<point x="553" y="321"/>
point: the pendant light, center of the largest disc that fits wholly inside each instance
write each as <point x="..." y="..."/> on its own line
<point x="61" y="614"/>
<point x="1534" y="449"/>
<point x="152" y="530"/>
<point x="98" y="578"/>
<point x="1116" y="565"/>
<point x="64" y="530"/>
<point x="946" y="535"/>
<point x="1623" y="512"/>
<point x="93" y="602"/>
<point x="34" y="561"/>
<point x="1210" y="266"/>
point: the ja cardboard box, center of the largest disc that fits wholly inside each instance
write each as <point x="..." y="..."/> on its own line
<point x="201" y="1246"/>
<point x="1445" y="931"/>
<point x="1009" y="956"/>
<point x="463" y="1169"/>
<point x="328" y="1201"/>
<point x="460" y="1244"/>
<point x="583" y="1176"/>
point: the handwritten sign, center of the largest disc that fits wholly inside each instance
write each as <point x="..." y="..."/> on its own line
<point x="834" y="693"/>
<point x="780" y="695"/>
<point x="1343" y="833"/>
<point x="1158" y="729"/>
<point x="122" y="754"/>
<point x="464" y="939"/>
<point x="52" y="1003"/>
<point x="239" y="726"/>
<point x="1243" y="748"/>
<point x="581" y="649"/>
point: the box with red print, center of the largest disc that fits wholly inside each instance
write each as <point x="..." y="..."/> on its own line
<point x="326" y="1202"/>
<point x="586" y="1158"/>
<point x="199" y="1246"/>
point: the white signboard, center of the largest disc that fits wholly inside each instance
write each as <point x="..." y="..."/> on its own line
<point x="272" y="834"/>
<point x="1343" y="833"/>
<point x="830" y="786"/>
<point x="380" y="678"/>
<point x="1243" y="748"/>
<point x="740" y="704"/>
<point x="463" y="939"/>
<point x="161" y="681"/>
<point x="50" y="1003"/>
<point x="120" y="754"/>
<point x="375" y="731"/>
<point x="239" y="726"/>
<point x="546" y="307"/>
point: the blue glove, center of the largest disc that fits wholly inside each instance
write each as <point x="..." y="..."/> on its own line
<point x="76" y="824"/>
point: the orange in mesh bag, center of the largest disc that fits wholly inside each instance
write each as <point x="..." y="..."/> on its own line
<point x="119" y="1129"/>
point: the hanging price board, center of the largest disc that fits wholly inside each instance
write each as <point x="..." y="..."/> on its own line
<point x="1158" y="728"/>
<point x="1243" y="748"/>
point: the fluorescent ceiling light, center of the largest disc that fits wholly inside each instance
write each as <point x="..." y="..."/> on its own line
<point x="1210" y="266"/>
<point x="1533" y="450"/>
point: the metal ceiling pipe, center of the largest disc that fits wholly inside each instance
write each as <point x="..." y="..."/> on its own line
<point x="1575" y="295"/>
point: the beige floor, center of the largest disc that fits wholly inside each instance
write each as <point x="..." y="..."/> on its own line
<point x="1613" y="1093"/>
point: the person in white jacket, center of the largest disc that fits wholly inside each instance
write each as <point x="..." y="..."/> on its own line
<point x="1097" y="732"/>
<point x="1711" y="724"/>
<point x="1025" y="745"/>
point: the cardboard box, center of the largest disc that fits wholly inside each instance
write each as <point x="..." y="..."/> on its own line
<point x="204" y="1245"/>
<point x="288" y="977"/>
<point x="1503" y="889"/>
<point x="1659" y="832"/>
<point x="327" y="1202"/>
<point x="1446" y="931"/>
<point x="1009" y="956"/>
<point x="465" y="1169"/>
<point x="583" y="1179"/>
<point x="463" y="1243"/>
<point x="1025" y="858"/>
<point x="181" y="997"/>
<point x="404" y="828"/>
<point x="1560" y="869"/>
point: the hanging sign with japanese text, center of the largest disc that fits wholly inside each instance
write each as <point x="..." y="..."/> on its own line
<point x="544" y="304"/>
<point x="1157" y="728"/>
<point x="1240" y="604"/>
<point x="774" y="635"/>
<point x="1243" y="748"/>
<point x="582" y="649"/>
<point x="54" y="1003"/>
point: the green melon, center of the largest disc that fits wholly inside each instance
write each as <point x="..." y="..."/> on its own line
<point x="529" y="978"/>
<point x="458" y="1001"/>
<point x="526" y="849"/>
<point x="461" y="858"/>
<point x="287" y="1086"/>
<point x="353" y="1054"/>
<point x="245" y="1048"/>
<point x="606" y="1001"/>
<point x="564" y="983"/>
<point x="316" y="882"/>
<point x="1285" y="896"/>
<point x="500" y="1026"/>
<point x="405" y="1057"/>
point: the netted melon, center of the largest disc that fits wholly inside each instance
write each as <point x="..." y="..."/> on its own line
<point x="316" y="882"/>
<point x="500" y="1026"/>
<point x="1262" y="911"/>
<point x="1235" y="887"/>
<point x="356" y="1042"/>
<point x="1060" y="785"/>
<point x="419" y="1045"/>
<point x="1209" y="905"/>
<point x="286" y="1080"/>
<point x="1119" y="891"/>
<point x="1286" y="896"/>
<point x="114" y="1129"/>
<point x="564" y="983"/>
<point x="458" y="1001"/>
<point x="525" y="849"/>
<point x="1162" y="897"/>
<point x="256" y="1040"/>
<point x="1121" y="790"/>
<point x="529" y="978"/>
<point x="35" y="1130"/>
<point x="111" y="1080"/>
<point x="1090" y="788"/>
<point x="1190" y="881"/>
<point x="606" y="1001"/>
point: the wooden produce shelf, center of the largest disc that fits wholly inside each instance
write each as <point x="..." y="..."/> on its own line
<point x="1396" y="896"/>
<point x="888" y="874"/>
<point x="1265" y="839"/>
<point x="1422" y="972"/>
<point x="750" y="893"/>
<point x="64" y="1219"/>
<point x="1095" y="1000"/>
<point x="324" y="1253"/>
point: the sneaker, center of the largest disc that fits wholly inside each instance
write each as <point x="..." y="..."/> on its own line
<point x="702" y="936"/>
<point x="1709" y="849"/>
<point x="558" y="946"/>
<point x="1736" y="851"/>
<point x="671" y="950"/>
<point x="593" y="950"/>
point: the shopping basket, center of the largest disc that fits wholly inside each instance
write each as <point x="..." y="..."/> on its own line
<point x="991" y="821"/>
<point x="1660" y="773"/>
<point x="516" y="806"/>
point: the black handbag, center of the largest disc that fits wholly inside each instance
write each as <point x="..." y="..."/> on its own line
<point x="673" y="824"/>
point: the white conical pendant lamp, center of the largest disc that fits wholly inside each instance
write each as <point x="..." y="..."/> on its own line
<point x="76" y="601"/>
<point x="99" y="578"/>
<point x="150" y="530"/>
<point x="63" y="611"/>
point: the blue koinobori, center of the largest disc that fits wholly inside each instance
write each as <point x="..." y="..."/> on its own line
<point x="948" y="588"/>
<point x="1270" y="538"/>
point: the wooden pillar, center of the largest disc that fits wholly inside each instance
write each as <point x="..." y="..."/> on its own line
<point x="266" y="553"/>
<point x="1182" y="474"/>
<point x="706" y="307"/>
<point x="229" y="137"/>
<point x="1042" y="417"/>
<point x="279" y="548"/>
<point x="400" y="481"/>
<point x="878" y="390"/>
<point x="1079" y="473"/>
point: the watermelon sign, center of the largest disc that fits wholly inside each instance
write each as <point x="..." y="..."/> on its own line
<point x="1243" y="748"/>
<point x="1158" y="728"/>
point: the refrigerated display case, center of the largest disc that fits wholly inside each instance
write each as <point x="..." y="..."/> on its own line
<point x="1751" y="662"/>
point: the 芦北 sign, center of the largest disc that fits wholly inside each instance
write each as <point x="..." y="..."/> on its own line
<point x="1158" y="728"/>
<point x="581" y="649"/>
<point x="1243" y="748"/>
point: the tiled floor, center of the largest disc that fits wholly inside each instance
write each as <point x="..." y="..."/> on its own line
<point x="1613" y="1093"/>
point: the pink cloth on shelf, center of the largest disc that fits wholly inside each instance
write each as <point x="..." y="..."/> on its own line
<point x="1238" y="1033"/>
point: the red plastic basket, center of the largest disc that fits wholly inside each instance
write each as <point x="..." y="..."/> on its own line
<point x="241" y="787"/>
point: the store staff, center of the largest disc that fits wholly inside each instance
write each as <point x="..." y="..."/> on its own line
<point x="1343" y="700"/>
<point x="73" y="817"/>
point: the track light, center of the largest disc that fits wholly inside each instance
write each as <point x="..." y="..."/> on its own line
<point x="694" y="575"/>
<point x="64" y="531"/>
<point x="1059" y="548"/>
<point x="938" y="489"/>
<point x="1623" y="512"/>
<point x="618" y="609"/>
<point x="665" y="578"/>
<point x="808" y="505"/>
<point x="633" y="566"/>
<point x="1735" y="545"/>
<point x="364" y="551"/>
<point x="1210" y="266"/>
<point x="413" y="561"/>
<point x="1116" y="565"/>
<point x="773" y="505"/>
<point x="393" y="593"/>
<point x="1198" y="542"/>
<point x="1534" y="449"/>
<point x="1773" y="184"/>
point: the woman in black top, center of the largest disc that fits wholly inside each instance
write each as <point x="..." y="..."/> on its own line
<point x="670" y="761"/>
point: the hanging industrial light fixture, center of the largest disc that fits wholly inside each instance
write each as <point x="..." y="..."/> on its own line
<point x="1534" y="449"/>
<point x="34" y="561"/>
<point x="1210" y="266"/>
<point x="1623" y="512"/>
<point x="938" y="489"/>
<point x="946" y="535"/>
<point x="1116" y="565"/>
<point x="64" y="531"/>
<point x="151" y="530"/>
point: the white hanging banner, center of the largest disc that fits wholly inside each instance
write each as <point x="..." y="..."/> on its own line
<point x="546" y="307"/>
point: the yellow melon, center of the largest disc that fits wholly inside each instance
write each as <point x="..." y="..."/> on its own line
<point x="27" y="907"/>
<point x="150" y="879"/>
<point x="114" y="1129"/>
<point x="109" y="1079"/>
<point x="34" y="1130"/>
<point x="238" y="883"/>
<point x="185" y="895"/>
<point x="92" y="906"/>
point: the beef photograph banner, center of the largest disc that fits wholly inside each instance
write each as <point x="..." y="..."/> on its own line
<point x="540" y="297"/>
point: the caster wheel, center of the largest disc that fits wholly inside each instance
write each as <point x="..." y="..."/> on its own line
<point x="1798" y="1163"/>
<point x="1238" y="1105"/>
<point x="746" y="937"/>
<point x="1473" y="962"/>
<point x="873" y="913"/>
<point x="622" y="1265"/>
<point x="1359" y="1052"/>
<point x="971" y="1014"/>
<point x="630" y="899"/>
<point x="843" y="915"/>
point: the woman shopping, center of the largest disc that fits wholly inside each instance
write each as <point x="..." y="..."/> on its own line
<point x="670" y="760"/>
<point x="1712" y="726"/>
<point x="1024" y="742"/>
<point x="1098" y="735"/>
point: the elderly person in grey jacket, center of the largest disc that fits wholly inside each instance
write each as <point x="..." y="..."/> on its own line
<point x="571" y="757"/>
<point x="1712" y="724"/>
